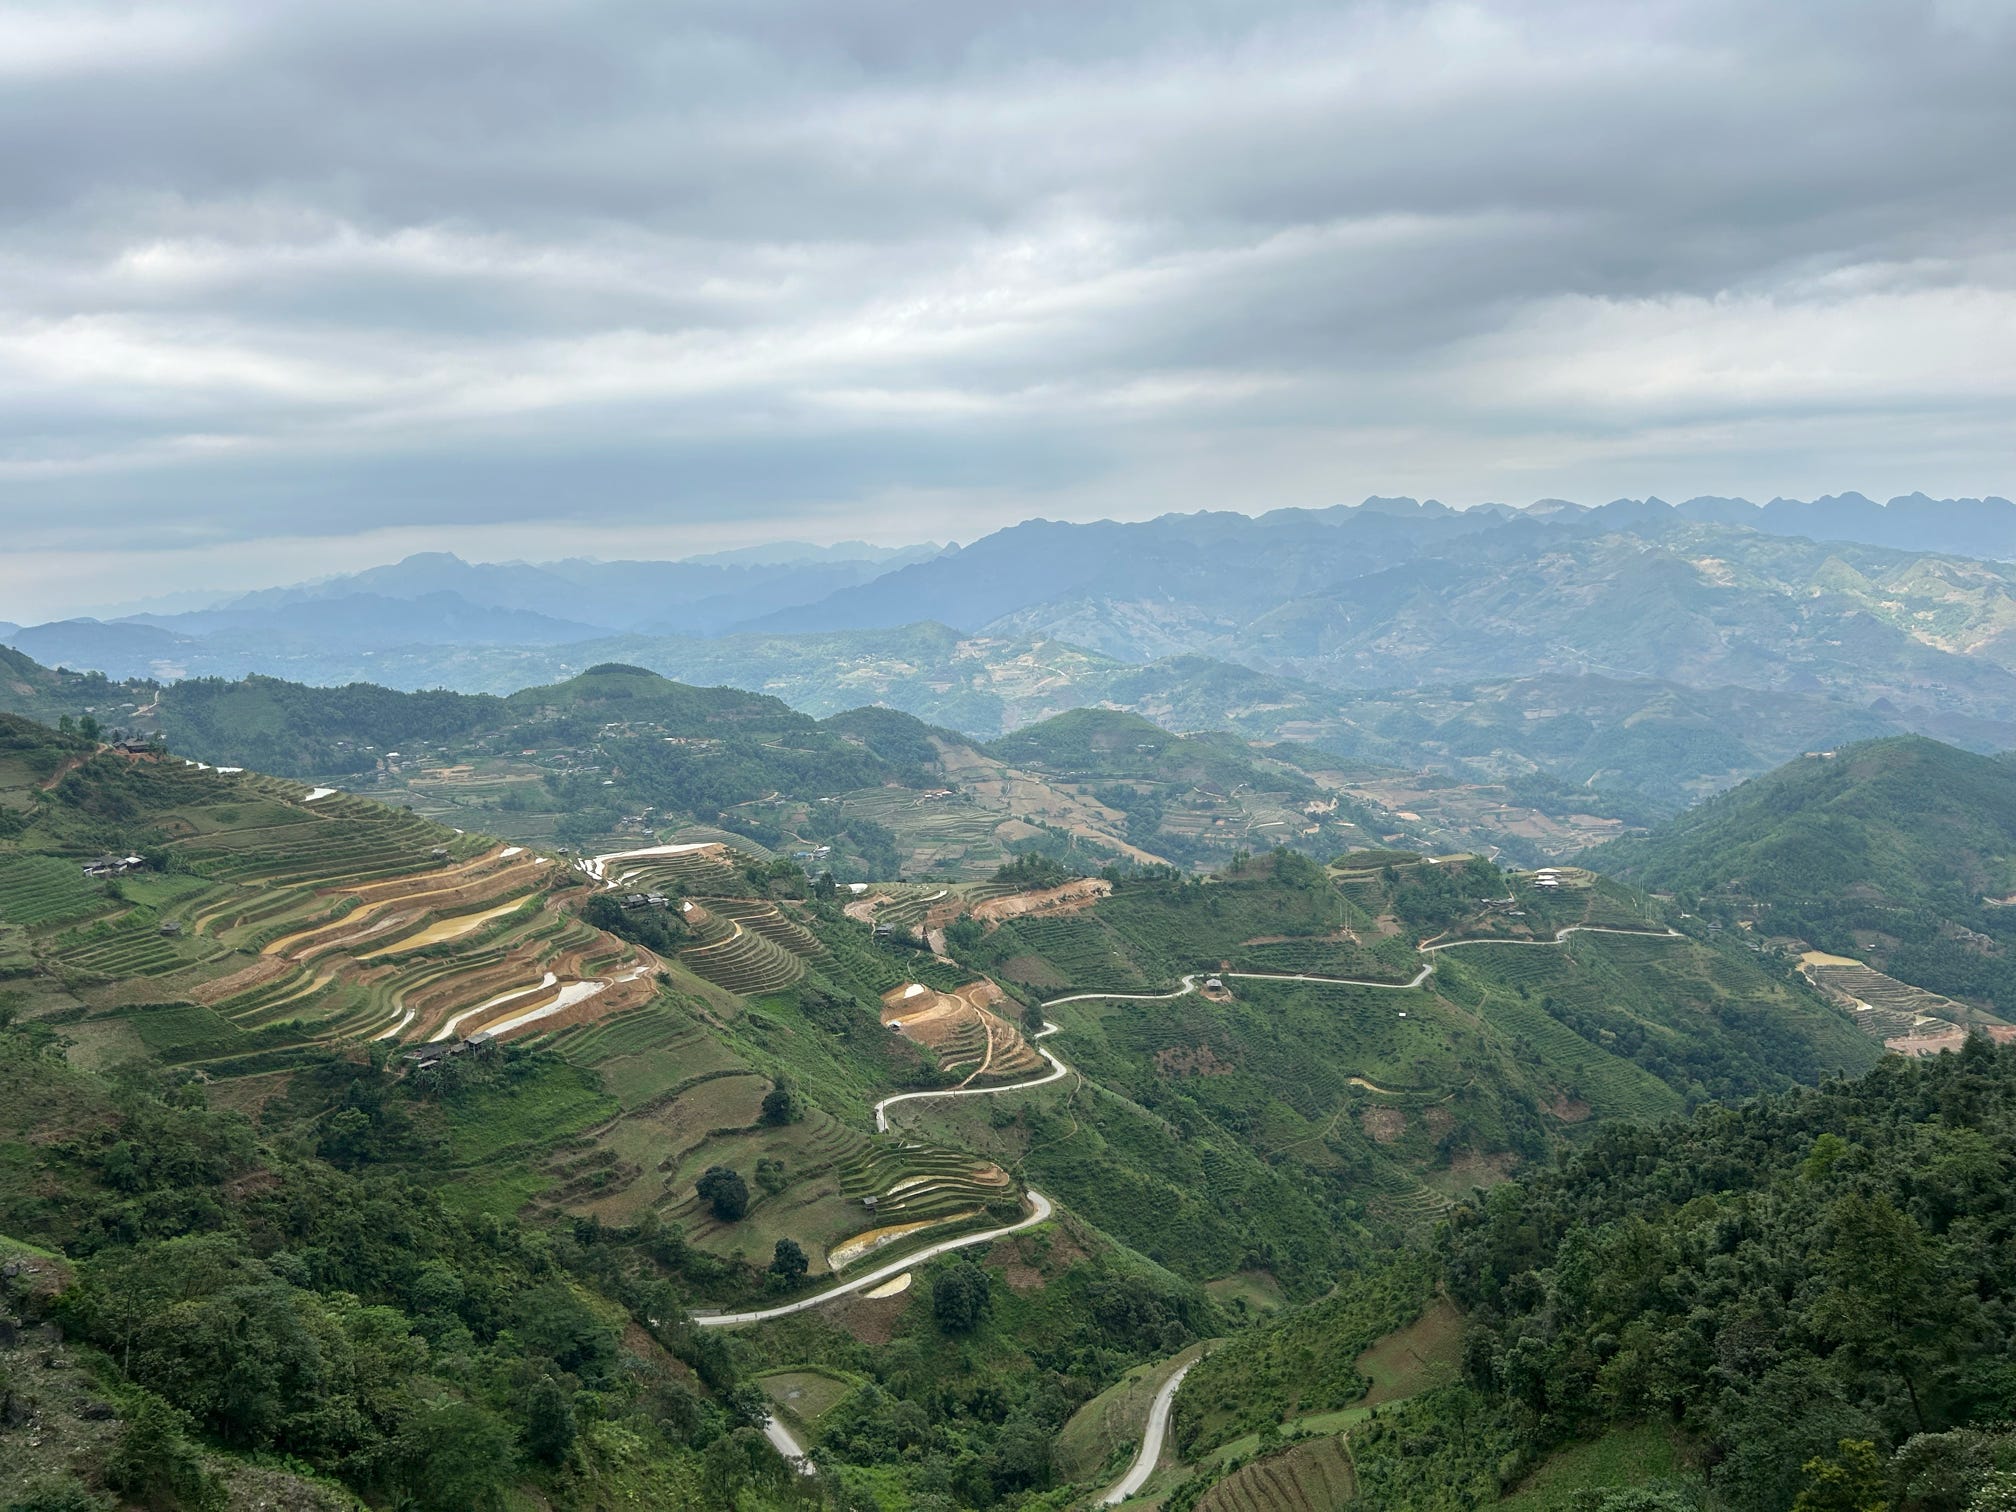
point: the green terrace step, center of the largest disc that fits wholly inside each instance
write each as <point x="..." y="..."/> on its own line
<point x="746" y="964"/>
<point x="768" y="921"/>
<point x="37" y="890"/>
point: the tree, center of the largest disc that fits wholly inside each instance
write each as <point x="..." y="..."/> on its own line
<point x="960" y="1296"/>
<point x="723" y="1189"/>
<point x="789" y="1262"/>
<point x="155" y="1464"/>
<point x="88" y="727"/>
<point x="454" y="1457"/>
<point x="780" y="1103"/>
<point x="1853" y="1481"/>
<point x="549" y="1421"/>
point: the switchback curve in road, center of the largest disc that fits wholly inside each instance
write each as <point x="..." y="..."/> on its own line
<point x="1041" y="1211"/>
<point x="1058" y="1070"/>
<point x="1560" y="937"/>
<point x="1040" y="1205"/>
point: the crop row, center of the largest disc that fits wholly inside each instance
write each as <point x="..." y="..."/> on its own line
<point x="769" y="922"/>
<point x="746" y="964"/>
<point x="631" y="1033"/>
<point x="45" y="890"/>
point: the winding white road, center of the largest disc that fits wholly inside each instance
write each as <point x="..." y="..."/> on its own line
<point x="1152" y="1436"/>
<point x="1041" y="1211"/>
<point x="1058" y="1071"/>
<point x="1560" y="937"/>
<point x="1157" y="1428"/>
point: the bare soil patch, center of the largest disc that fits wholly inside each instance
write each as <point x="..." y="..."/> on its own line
<point x="872" y="1321"/>
<point x="1069" y="898"/>
<point x="1384" y="1125"/>
<point x="219" y="988"/>
<point x="1191" y="1061"/>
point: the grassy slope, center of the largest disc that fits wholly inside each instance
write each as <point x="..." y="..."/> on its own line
<point x="1306" y="1117"/>
<point x="1889" y="851"/>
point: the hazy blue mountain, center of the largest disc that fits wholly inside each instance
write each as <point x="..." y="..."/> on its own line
<point x="1214" y="566"/>
<point x="371" y="620"/>
<point x="1912" y="522"/>
<point x="685" y="597"/>
<point x="794" y="553"/>
<point x="118" y="649"/>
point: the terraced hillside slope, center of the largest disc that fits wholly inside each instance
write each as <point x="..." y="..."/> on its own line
<point x="1115" y="1116"/>
<point x="221" y="919"/>
<point x="1899" y="854"/>
<point x="1347" y="1050"/>
<point x="220" y="1120"/>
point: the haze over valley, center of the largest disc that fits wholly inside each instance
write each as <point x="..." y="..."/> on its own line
<point x="879" y="758"/>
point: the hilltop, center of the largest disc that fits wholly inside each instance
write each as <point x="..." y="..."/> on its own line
<point x="1531" y="769"/>
<point x="1900" y="853"/>
<point x="1643" y="652"/>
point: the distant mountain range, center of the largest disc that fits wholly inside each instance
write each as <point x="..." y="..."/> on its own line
<point x="1638" y="648"/>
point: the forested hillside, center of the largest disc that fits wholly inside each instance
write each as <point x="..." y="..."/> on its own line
<point x="354" y="1155"/>
<point x="1901" y="852"/>
<point x="1806" y="1299"/>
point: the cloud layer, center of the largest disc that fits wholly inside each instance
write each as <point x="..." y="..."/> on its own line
<point x="285" y="284"/>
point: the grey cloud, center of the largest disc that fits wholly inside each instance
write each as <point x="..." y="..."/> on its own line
<point x="424" y="263"/>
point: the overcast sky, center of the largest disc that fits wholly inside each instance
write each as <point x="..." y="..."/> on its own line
<point x="290" y="287"/>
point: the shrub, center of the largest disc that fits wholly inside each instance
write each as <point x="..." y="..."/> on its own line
<point x="723" y="1189"/>
<point x="788" y="1262"/>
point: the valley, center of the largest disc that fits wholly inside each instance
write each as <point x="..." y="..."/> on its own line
<point x="824" y="1138"/>
<point x="709" y="801"/>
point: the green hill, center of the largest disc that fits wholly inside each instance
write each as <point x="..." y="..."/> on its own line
<point x="232" y="1110"/>
<point x="297" y="1227"/>
<point x="1900" y="852"/>
<point x="1610" y="1356"/>
<point x="1318" y="1118"/>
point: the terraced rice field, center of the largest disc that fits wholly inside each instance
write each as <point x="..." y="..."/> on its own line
<point x="631" y="1033"/>
<point x="743" y="961"/>
<point x="1884" y="1007"/>
<point x="936" y="837"/>
<point x="767" y="920"/>
<point x="963" y="1030"/>
<point x="283" y="920"/>
<point x="913" y="1182"/>
<point x="908" y="905"/>
<point x="702" y="873"/>
<point x="1314" y="1477"/>
<point x="44" y="890"/>
<point x="130" y="945"/>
